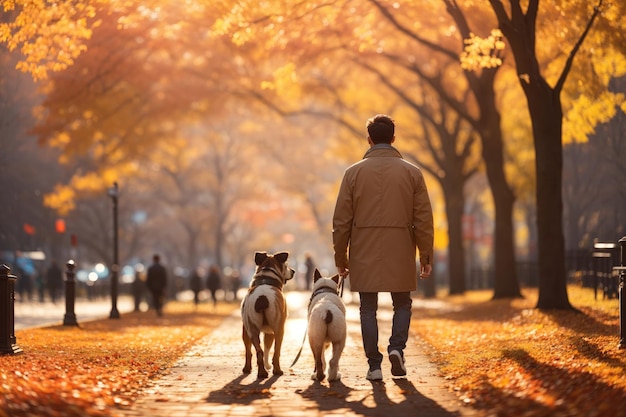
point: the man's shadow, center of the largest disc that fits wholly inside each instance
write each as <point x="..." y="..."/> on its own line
<point x="337" y="396"/>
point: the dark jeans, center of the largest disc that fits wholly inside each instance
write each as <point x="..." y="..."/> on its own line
<point x="158" y="298"/>
<point x="369" y="325"/>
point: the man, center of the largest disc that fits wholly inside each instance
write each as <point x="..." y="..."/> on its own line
<point x="382" y="214"/>
<point x="310" y="270"/>
<point x="54" y="280"/>
<point x="156" y="281"/>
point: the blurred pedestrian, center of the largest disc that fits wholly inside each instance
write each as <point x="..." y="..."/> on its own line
<point x="214" y="282"/>
<point x="138" y="287"/>
<point x="54" y="280"/>
<point x="40" y="285"/>
<point x="24" y="284"/>
<point x="195" y="285"/>
<point x="235" y="283"/>
<point x="156" y="281"/>
<point x="310" y="268"/>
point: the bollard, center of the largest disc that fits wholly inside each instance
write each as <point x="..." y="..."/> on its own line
<point x="8" y="341"/>
<point x="70" y="295"/>
<point x="622" y="299"/>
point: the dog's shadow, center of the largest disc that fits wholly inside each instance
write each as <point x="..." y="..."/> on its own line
<point x="328" y="397"/>
<point x="236" y="392"/>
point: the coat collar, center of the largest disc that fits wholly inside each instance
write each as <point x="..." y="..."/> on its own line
<point x="382" y="149"/>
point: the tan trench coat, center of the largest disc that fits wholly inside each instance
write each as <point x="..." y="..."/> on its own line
<point x="382" y="213"/>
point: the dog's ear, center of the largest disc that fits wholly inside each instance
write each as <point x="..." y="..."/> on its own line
<point x="335" y="278"/>
<point x="259" y="257"/>
<point x="316" y="275"/>
<point x="281" y="257"/>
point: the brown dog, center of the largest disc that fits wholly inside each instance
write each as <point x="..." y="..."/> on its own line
<point x="264" y="310"/>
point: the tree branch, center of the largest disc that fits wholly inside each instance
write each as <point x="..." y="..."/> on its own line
<point x="570" y="59"/>
<point x="431" y="45"/>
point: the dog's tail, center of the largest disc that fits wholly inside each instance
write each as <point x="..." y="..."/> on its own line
<point x="329" y="317"/>
<point x="261" y="304"/>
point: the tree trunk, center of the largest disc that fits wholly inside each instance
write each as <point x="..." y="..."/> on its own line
<point x="547" y="116"/>
<point x="506" y="283"/>
<point x="456" y="253"/>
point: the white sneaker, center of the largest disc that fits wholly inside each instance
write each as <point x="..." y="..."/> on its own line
<point x="397" y="363"/>
<point x="374" y="375"/>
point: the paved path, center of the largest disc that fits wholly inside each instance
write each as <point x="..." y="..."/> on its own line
<point x="30" y="314"/>
<point x="208" y="380"/>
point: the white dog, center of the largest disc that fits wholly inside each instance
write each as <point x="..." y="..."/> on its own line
<point x="327" y="325"/>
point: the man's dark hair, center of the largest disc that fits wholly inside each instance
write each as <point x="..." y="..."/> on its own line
<point x="380" y="129"/>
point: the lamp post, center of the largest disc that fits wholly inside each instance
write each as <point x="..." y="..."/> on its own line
<point x="70" y="295"/>
<point x="115" y="314"/>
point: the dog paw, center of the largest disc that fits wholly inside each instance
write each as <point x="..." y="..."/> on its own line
<point x="335" y="378"/>
<point x="317" y="377"/>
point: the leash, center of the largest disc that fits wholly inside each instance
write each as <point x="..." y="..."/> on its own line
<point x="301" y="346"/>
<point x="341" y="282"/>
<point x="306" y="331"/>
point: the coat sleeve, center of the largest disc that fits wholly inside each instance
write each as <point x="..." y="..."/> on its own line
<point x="342" y="223"/>
<point x="423" y="222"/>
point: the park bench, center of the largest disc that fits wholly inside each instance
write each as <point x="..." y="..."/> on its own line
<point x="604" y="257"/>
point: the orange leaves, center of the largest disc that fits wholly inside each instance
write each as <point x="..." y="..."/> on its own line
<point x="62" y="200"/>
<point x="92" y="370"/>
<point x="51" y="35"/>
<point x="509" y="358"/>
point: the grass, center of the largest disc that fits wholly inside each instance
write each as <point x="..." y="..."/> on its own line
<point x="93" y="369"/>
<point x="506" y="358"/>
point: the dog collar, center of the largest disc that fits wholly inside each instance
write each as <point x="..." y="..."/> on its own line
<point x="321" y="291"/>
<point x="262" y="280"/>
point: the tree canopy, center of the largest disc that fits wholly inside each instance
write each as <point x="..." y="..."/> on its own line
<point x="131" y="89"/>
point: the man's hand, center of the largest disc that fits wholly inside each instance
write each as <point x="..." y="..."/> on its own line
<point x="425" y="271"/>
<point x="343" y="271"/>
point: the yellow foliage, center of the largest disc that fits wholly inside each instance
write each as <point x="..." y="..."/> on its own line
<point x="90" y="182"/>
<point x="586" y="113"/>
<point x="248" y="126"/>
<point x="482" y="52"/>
<point x="50" y="35"/>
<point x="61" y="200"/>
<point x="612" y="65"/>
<point x="286" y="81"/>
<point x="60" y="140"/>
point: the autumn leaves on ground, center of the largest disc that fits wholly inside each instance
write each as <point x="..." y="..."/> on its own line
<point x="507" y="358"/>
<point x="501" y="357"/>
<point x="94" y="369"/>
